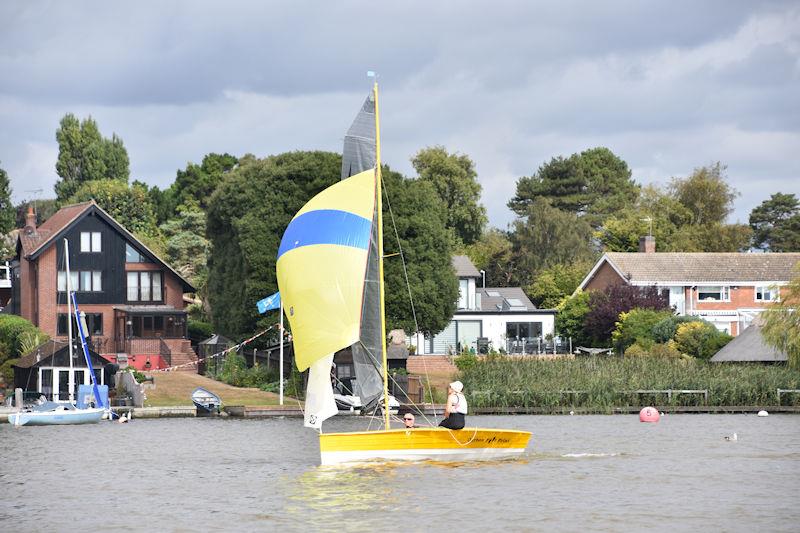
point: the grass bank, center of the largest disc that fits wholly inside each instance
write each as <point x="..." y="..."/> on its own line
<point x="175" y="388"/>
<point x="605" y="383"/>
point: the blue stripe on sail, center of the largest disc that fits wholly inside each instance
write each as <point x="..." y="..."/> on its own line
<point x="326" y="226"/>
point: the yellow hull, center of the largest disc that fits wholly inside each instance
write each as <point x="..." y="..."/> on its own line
<point x="422" y="444"/>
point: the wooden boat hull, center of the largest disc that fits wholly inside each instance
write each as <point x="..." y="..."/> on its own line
<point x="56" y="418"/>
<point x="422" y="444"/>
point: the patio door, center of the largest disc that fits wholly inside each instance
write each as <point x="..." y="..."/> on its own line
<point x="62" y="383"/>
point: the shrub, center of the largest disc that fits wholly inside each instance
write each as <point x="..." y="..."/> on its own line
<point x="465" y="361"/>
<point x="14" y="330"/>
<point x="637" y="350"/>
<point x="700" y="339"/>
<point x="199" y="331"/>
<point x="636" y="326"/>
<point x="665" y="330"/>
<point x="571" y="318"/>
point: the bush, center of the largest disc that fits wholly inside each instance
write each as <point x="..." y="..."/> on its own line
<point x="636" y="326"/>
<point x="14" y="331"/>
<point x="700" y="339"/>
<point x="665" y="330"/>
<point x="465" y="361"/>
<point x="654" y="350"/>
<point x="199" y="331"/>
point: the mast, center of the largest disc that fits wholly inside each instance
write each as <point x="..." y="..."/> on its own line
<point x="70" y="381"/>
<point x="378" y="180"/>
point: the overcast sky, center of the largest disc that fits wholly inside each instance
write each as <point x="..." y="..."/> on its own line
<point x="667" y="86"/>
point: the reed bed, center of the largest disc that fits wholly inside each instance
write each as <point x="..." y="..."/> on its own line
<point x="605" y="383"/>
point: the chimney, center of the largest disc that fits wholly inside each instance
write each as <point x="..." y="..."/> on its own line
<point x="647" y="244"/>
<point x="30" y="221"/>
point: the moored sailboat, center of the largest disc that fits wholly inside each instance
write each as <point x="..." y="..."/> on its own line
<point x="58" y="413"/>
<point x="330" y="276"/>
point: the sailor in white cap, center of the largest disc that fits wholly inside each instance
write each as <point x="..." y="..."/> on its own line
<point x="456" y="407"/>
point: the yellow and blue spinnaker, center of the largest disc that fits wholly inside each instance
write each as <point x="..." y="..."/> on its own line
<point x="322" y="262"/>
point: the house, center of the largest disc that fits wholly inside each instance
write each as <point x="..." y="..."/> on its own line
<point x="498" y="318"/>
<point x="132" y="299"/>
<point x="727" y="289"/>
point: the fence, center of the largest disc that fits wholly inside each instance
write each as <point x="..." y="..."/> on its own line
<point x="538" y="346"/>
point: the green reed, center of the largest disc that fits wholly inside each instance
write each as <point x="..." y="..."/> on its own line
<point x="607" y="382"/>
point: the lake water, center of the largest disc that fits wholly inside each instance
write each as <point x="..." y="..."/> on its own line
<point x="595" y="473"/>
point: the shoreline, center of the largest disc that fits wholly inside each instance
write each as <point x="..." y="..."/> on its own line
<point x="259" y="412"/>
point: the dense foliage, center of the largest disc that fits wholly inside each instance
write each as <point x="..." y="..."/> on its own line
<point x="603" y="383"/>
<point x="17" y="337"/>
<point x="454" y="180"/>
<point x="776" y="224"/>
<point x="605" y="307"/>
<point x="85" y="155"/>
<point x="591" y="185"/>
<point x="250" y="210"/>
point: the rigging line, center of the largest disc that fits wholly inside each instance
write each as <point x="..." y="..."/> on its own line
<point x="463" y="443"/>
<point x="410" y="297"/>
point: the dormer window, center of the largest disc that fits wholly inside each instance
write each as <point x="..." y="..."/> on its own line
<point x="91" y="241"/>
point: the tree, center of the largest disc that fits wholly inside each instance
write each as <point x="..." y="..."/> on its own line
<point x="605" y="307"/>
<point x="557" y="282"/>
<point x="493" y="254"/>
<point x="7" y="211"/>
<point x="84" y="155"/>
<point x="776" y="224"/>
<point x="782" y="322"/>
<point x="706" y="194"/>
<point x="571" y="318"/>
<point x="130" y="206"/>
<point x="186" y="244"/>
<point x="548" y="236"/>
<point x="251" y="208"/>
<point x="454" y="180"/>
<point x="593" y="185"/>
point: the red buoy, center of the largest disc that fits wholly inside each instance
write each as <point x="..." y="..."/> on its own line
<point x="649" y="414"/>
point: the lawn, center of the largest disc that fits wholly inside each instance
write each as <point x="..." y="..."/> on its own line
<point x="175" y="388"/>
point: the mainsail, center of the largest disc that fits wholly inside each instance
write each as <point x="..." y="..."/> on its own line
<point x="321" y="268"/>
<point x="359" y="155"/>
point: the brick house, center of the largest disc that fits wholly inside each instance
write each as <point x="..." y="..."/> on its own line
<point x="132" y="299"/>
<point x="727" y="289"/>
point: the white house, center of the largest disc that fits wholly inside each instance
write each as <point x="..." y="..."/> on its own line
<point x="489" y="318"/>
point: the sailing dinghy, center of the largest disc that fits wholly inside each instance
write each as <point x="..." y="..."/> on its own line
<point x="57" y="413"/>
<point x="330" y="276"/>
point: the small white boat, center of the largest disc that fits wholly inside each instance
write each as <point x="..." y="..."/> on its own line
<point x="206" y="401"/>
<point x="55" y="414"/>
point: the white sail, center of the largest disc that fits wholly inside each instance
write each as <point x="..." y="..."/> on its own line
<point x="320" y="404"/>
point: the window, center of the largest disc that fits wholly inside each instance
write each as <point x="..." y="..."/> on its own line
<point x="132" y="255"/>
<point x="721" y="294"/>
<point x="144" y="287"/>
<point x="463" y="292"/>
<point x="767" y="294"/>
<point x="82" y="281"/>
<point x="91" y="241"/>
<point x="94" y="324"/>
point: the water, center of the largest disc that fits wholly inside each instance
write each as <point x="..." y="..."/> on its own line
<point x="595" y="473"/>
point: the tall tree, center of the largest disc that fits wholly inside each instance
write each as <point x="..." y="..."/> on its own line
<point x="7" y="211"/>
<point x="454" y="180"/>
<point x="130" y="206"/>
<point x="251" y="208"/>
<point x="706" y="194"/>
<point x="776" y="224"/>
<point x="84" y="155"/>
<point x="553" y="284"/>
<point x="548" y="236"/>
<point x="592" y="185"/>
<point x="493" y="253"/>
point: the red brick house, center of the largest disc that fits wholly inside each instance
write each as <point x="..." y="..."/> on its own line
<point x="133" y="300"/>
<point x="727" y="289"/>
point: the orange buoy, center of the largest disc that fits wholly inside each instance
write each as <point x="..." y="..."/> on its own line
<point x="649" y="414"/>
